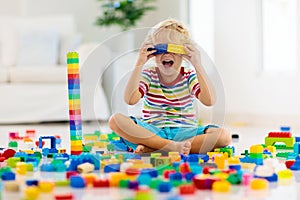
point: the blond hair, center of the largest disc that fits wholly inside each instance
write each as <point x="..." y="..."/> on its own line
<point x="169" y="31"/>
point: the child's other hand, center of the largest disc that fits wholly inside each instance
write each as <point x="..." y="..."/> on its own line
<point x="192" y="54"/>
<point x="144" y="55"/>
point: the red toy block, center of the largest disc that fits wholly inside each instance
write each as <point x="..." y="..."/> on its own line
<point x="8" y="153"/>
<point x="167" y="173"/>
<point x="101" y="183"/>
<point x="184" y="168"/>
<point x="76" y="152"/>
<point x="132" y="171"/>
<point x="289" y="163"/>
<point x="280" y="134"/>
<point x="205" y="170"/>
<point x="68" y="196"/>
<point x="187" y="189"/>
<point x="203" y="183"/>
<point x="71" y="173"/>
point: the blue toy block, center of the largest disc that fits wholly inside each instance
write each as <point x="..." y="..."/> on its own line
<point x="150" y="171"/>
<point x="204" y="157"/>
<point x="160" y="48"/>
<point x="32" y="182"/>
<point x="196" y="168"/>
<point x="175" y="176"/>
<point x="193" y="158"/>
<point x="189" y="176"/>
<point x="235" y="167"/>
<point x="176" y="197"/>
<point x="273" y="178"/>
<point x="119" y="146"/>
<point x="285" y="128"/>
<point x="76" y="160"/>
<point x="47" y="167"/>
<point x="111" y="168"/>
<point x="77" y="182"/>
<point x="297" y="139"/>
<point x="8" y="176"/>
<point x="297" y="147"/>
<point x="144" y="179"/>
<point x="247" y="159"/>
<point x="63" y="157"/>
<point x="164" y="187"/>
<point x="296" y="165"/>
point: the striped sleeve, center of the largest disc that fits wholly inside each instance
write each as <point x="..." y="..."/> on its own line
<point x="144" y="82"/>
<point x="194" y="85"/>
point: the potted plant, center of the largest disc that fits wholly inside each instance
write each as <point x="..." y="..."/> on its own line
<point x="123" y="13"/>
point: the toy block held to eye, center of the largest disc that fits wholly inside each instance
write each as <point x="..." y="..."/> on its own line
<point x="171" y="48"/>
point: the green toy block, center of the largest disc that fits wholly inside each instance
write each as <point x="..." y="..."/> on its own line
<point x="124" y="183"/>
<point x="29" y="167"/>
<point x="12" y="161"/>
<point x="98" y="133"/>
<point x="160" y="169"/>
<point x="234" y="178"/>
<point x="256" y="155"/>
<point x="282" y="154"/>
<point x="161" y="161"/>
<point x="282" y="147"/>
<point x="110" y="147"/>
<point x="4" y="169"/>
<point x="13" y="144"/>
<point x="154" y="183"/>
<point x="62" y="183"/>
<point x="289" y="142"/>
<point x="86" y="148"/>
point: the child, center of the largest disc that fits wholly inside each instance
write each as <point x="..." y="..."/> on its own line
<point x="169" y="90"/>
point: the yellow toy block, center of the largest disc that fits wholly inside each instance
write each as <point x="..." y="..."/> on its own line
<point x="76" y="148"/>
<point x="233" y="161"/>
<point x="73" y="66"/>
<point x="256" y="149"/>
<point x="32" y="192"/>
<point x="135" y="161"/>
<point x="173" y="153"/>
<point x="21" y="168"/>
<point x="115" y="178"/>
<point x="141" y="166"/>
<point x="220" y="161"/>
<point x="76" y="143"/>
<point x="90" y="137"/>
<point x="176" y="48"/>
<point x="100" y="144"/>
<point x="221" y="186"/>
<point x="46" y="186"/>
<point x="103" y="137"/>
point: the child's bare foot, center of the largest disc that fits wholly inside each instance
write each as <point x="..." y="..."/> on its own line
<point x="139" y="149"/>
<point x="143" y="149"/>
<point x="183" y="147"/>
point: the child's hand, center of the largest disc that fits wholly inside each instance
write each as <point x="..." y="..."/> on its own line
<point x="192" y="54"/>
<point x="144" y="54"/>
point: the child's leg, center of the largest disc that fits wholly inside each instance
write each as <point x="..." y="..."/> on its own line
<point x="213" y="138"/>
<point x="129" y="130"/>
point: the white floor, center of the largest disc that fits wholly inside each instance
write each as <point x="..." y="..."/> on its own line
<point x="247" y="136"/>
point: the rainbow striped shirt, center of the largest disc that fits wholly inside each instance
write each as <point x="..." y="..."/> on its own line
<point x="169" y="105"/>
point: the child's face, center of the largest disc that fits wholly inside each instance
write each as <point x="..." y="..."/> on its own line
<point x="169" y="63"/>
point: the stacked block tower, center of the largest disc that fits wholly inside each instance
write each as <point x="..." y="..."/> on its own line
<point x="74" y="103"/>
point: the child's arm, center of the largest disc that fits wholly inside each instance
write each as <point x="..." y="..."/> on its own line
<point x="132" y="94"/>
<point x="207" y="96"/>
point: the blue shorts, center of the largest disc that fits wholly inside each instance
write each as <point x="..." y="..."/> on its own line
<point x="170" y="133"/>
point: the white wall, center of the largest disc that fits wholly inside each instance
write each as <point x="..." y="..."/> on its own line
<point x="250" y="92"/>
<point x="86" y="11"/>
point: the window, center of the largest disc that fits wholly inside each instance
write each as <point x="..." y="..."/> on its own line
<point x="201" y="20"/>
<point x="279" y="35"/>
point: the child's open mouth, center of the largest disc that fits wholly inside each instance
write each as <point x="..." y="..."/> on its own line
<point x="168" y="63"/>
